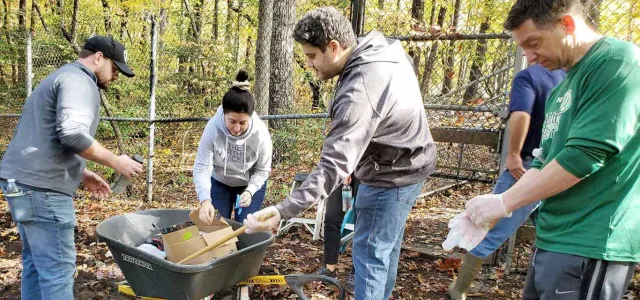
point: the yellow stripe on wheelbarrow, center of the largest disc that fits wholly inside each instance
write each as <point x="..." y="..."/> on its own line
<point x="125" y="289"/>
<point x="267" y="279"/>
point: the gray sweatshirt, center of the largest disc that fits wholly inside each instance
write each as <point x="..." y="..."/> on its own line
<point x="233" y="160"/>
<point x="59" y="120"/>
<point x="378" y="126"/>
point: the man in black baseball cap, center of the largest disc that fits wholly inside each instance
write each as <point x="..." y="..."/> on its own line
<point x="111" y="49"/>
<point x="47" y="160"/>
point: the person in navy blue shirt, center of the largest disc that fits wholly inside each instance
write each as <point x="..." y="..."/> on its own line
<point x="530" y="90"/>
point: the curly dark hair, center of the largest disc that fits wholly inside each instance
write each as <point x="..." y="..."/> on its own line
<point x="321" y="25"/>
<point x="543" y="13"/>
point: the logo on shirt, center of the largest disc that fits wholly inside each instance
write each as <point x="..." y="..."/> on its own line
<point x="552" y="119"/>
<point x="565" y="101"/>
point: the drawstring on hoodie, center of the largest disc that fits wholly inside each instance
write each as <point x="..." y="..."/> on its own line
<point x="226" y="157"/>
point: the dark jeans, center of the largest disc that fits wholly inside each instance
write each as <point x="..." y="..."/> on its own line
<point x="223" y="198"/>
<point x="333" y="221"/>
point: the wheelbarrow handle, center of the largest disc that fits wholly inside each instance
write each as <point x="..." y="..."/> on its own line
<point x="297" y="282"/>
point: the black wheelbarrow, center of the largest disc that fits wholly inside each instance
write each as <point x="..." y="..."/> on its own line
<point x="150" y="276"/>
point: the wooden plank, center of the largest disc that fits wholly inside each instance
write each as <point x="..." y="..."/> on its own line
<point x="461" y="136"/>
<point x="431" y="251"/>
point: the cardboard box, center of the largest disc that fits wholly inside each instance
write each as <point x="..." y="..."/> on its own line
<point x="184" y="242"/>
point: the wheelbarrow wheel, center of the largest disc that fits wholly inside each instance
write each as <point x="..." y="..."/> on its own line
<point x="297" y="282"/>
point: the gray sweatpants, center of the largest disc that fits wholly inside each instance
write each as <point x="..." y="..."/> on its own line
<point x="555" y="275"/>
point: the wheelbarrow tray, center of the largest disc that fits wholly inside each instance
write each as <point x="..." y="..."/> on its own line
<point x="150" y="276"/>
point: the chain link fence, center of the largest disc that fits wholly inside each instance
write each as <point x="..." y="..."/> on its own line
<point x="463" y="58"/>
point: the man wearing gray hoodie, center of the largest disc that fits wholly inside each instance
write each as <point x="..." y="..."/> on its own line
<point x="379" y="129"/>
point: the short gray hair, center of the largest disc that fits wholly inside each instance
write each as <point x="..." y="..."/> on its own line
<point x="321" y="25"/>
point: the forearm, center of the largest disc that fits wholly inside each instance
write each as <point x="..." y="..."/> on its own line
<point x="202" y="182"/>
<point x="97" y="153"/>
<point x="538" y="184"/>
<point x="518" y="128"/>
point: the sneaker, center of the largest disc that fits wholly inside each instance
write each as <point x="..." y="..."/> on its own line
<point x="349" y="282"/>
<point x="326" y="272"/>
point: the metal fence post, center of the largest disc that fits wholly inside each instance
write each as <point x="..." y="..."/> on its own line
<point x="152" y="107"/>
<point x="519" y="64"/>
<point x="29" y="61"/>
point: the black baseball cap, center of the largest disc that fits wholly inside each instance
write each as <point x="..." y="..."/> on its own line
<point x="111" y="49"/>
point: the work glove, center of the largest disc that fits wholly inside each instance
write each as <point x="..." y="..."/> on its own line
<point x="486" y="210"/>
<point x="463" y="233"/>
<point x="262" y="220"/>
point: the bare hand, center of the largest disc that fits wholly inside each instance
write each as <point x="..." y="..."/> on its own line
<point x="515" y="166"/>
<point x="245" y="199"/>
<point x="347" y="180"/>
<point x="127" y="167"/>
<point x="207" y="212"/>
<point x="95" y="184"/>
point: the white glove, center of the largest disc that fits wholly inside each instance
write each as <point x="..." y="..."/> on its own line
<point x="263" y="220"/>
<point x="464" y="233"/>
<point x="486" y="210"/>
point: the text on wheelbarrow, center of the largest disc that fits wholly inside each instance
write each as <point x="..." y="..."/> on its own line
<point x="137" y="261"/>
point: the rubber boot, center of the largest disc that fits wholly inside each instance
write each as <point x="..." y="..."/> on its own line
<point x="471" y="266"/>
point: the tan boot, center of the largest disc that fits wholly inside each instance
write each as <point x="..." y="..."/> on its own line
<point x="471" y="266"/>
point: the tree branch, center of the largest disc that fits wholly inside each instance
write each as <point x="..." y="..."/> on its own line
<point x="106" y="15"/>
<point x="36" y="7"/>
<point x="71" y="36"/>
<point x="244" y="15"/>
<point x="114" y="125"/>
<point x="192" y="19"/>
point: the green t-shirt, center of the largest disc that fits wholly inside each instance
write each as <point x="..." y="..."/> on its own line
<point x="591" y="129"/>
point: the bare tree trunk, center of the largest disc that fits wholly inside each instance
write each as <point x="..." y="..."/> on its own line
<point x="237" y="34"/>
<point x="449" y="73"/>
<point x="417" y="16"/>
<point x="215" y="19"/>
<point x="22" y="15"/>
<point x="229" y="23"/>
<point x="263" y="62"/>
<point x="433" y="54"/>
<point x="106" y="12"/>
<point x="281" y="80"/>
<point x="123" y="23"/>
<point x="71" y="36"/>
<point x="478" y="61"/>
<point x="114" y="124"/>
<point x="195" y="32"/>
<point x="36" y="9"/>
<point x="433" y="12"/>
<point x="5" y="18"/>
<point x="162" y="24"/>
<point x="247" y="52"/>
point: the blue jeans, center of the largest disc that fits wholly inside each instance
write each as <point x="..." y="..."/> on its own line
<point x="506" y="226"/>
<point x="46" y="222"/>
<point x="223" y="198"/>
<point x="381" y="215"/>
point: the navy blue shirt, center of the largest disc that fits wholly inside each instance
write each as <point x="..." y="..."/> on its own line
<point x="529" y="93"/>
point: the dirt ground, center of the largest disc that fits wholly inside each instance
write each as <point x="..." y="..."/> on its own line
<point x="420" y="275"/>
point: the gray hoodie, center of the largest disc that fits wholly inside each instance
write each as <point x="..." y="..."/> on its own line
<point x="378" y="126"/>
<point x="233" y="160"/>
<point x="59" y="120"/>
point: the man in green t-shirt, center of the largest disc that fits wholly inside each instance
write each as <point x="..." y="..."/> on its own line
<point x="587" y="169"/>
